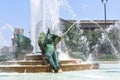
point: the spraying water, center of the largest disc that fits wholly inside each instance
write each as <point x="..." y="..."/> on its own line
<point x="44" y="15"/>
<point x="6" y="31"/>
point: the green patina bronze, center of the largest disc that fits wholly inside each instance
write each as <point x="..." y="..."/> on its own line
<point x="47" y="43"/>
<point x="23" y="44"/>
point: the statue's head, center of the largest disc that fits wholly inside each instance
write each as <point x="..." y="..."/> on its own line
<point x="49" y="35"/>
<point x="48" y="32"/>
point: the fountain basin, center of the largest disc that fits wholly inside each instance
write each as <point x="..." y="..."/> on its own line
<point x="35" y="64"/>
<point x="46" y="68"/>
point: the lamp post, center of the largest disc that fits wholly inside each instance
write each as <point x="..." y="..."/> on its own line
<point x="104" y="2"/>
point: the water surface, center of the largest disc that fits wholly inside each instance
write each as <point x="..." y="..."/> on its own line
<point x="106" y="72"/>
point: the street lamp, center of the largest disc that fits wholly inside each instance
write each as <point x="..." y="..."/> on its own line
<point x="104" y="2"/>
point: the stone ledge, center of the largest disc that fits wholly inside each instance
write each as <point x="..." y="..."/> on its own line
<point x="46" y="68"/>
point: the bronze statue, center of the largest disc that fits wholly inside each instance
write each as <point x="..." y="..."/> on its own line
<point x="23" y="46"/>
<point x="48" y="47"/>
<point x="47" y="43"/>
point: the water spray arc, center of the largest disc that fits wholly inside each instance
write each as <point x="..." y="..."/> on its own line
<point x="6" y="31"/>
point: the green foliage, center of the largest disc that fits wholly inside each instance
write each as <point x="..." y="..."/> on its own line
<point x="101" y="41"/>
<point x="114" y="35"/>
<point x="92" y="37"/>
<point x="6" y="56"/>
<point x="78" y="55"/>
<point x="76" y="41"/>
<point x="105" y="47"/>
<point x="109" y="57"/>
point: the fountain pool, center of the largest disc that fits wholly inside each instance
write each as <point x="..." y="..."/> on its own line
<point x="105" y="72"/>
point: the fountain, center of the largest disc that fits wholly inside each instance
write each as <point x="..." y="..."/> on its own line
<point x="33" y="67"/>
<point x="42" y="18"/>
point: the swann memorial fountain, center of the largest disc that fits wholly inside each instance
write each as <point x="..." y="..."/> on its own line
<point x="32" y="67"/>
<point x="42" y="18"/>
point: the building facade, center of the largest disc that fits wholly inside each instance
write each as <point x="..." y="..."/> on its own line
<point x="14" y="37"/>
<point x="94" y="24"/>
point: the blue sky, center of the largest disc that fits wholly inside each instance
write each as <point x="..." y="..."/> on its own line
<point x="16" y="13"/>
<point x="93" y="9"/>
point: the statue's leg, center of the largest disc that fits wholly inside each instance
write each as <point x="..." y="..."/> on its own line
<point x="50" y="59"/>
<point x="56" y="59"/>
